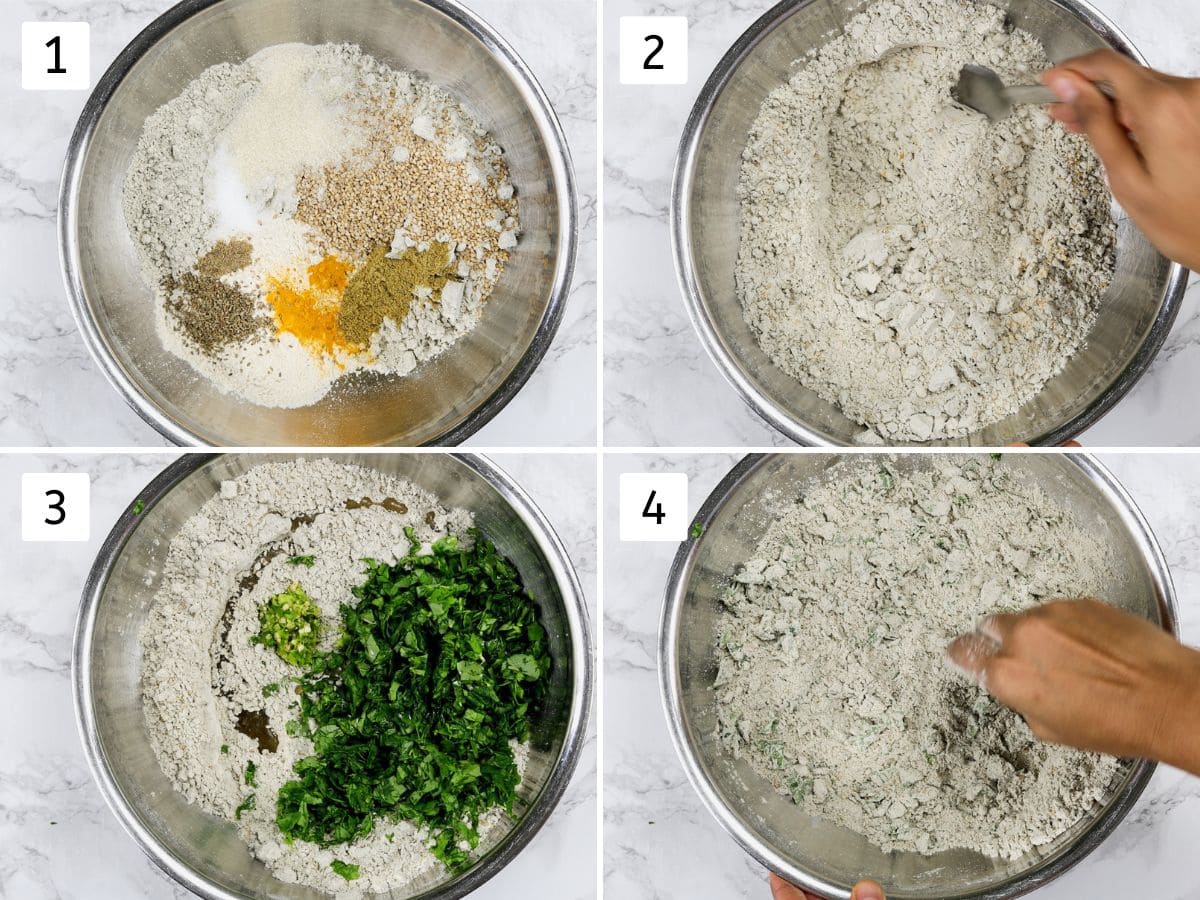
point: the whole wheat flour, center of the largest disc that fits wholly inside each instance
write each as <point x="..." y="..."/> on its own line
<point x="203" y="675"/>
<point x="282" y="151"/>
<point x="832" y="679"/>
<point x="924" y="269"/>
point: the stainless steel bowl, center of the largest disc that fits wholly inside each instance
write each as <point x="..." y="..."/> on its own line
<point x="444" y="401"/>
<point x="204" y="853"/>
<point x="808" y="851"/>
<point x="1135" y="316"/>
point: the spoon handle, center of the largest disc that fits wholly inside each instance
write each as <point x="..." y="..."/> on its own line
<point x="1030" y="93"/>
<point x="1041" y="95"/>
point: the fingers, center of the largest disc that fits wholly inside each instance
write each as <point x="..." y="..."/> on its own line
<point x="867" y="890"/>
<point x="971" y="653"/>
<point x="1086" y="109"/>
<point x="1126" y="77"/>
<point x="864" y="890"/>
<point x="781" y="890"/>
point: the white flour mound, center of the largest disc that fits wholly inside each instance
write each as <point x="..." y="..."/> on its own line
<point x="832" y="679"/>
<point x="201" y="671"/>
<point x="922" y="268"/>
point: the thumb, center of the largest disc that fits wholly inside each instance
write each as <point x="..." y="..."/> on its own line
<point x="867" y="890"/>
<point x="1089" y="111"/>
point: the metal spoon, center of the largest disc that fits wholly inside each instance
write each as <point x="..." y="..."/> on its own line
<point x="981" y="89"/>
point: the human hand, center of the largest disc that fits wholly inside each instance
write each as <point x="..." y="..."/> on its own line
<point x="1146" y="137"/>
<point x="1086" y="674"/>
<point x="864" y="890"/>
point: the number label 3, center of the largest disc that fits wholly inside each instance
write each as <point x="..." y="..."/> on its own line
<point x="55" y="506"/>
<point x="654" y="50"/>
<point x="654" y="506"/>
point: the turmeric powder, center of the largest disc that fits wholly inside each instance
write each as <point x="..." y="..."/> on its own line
<point x="311" y="313"/>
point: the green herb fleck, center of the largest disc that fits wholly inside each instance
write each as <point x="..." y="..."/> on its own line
<point x="138" y="506"/>
<point x="996" y="456"/>
<point x="440" y="664"/>
<point x="224" y="748"/>
<point x="290" y="624"/>
<point x="245" y="806"/>
<point x="697" y="530"/>
<point x="346" y="870"/>
<point x="308" y="561"/>
<point x="251" y="769"/>
<point x="270" y="690"/>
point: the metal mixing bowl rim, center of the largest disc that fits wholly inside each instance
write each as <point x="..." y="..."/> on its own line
<point x="715" y="344"/>
<point x="668" y="668"/>
<point x="560" y="164"/>
<point x="509" y="847"/>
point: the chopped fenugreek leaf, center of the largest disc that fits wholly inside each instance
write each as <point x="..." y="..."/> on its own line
<point x="290" y="624"/>
<point x="251" y="769"/>
<point x="348" y="871"/>
<point x="138" y="507"/>
<point x="308" y="561"/>
<point x="245" y="806"/>
<point x="224" y="748"/>
<point x="270" y="690"/>
<point x="440" y="664"/>
<point x="697" y="530"/>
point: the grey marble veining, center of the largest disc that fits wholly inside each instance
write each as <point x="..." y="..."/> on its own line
<point x="660" y="387"/>
<point x="51" y="394"/>
<point x="660" y="842"/>
<point x="58" y="840"/>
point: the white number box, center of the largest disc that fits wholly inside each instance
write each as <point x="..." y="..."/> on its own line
<point x="654" y="506"/>
<point x="654" y="50"/>
<point x="55" y="506"/>
<point x="56" y="56"/>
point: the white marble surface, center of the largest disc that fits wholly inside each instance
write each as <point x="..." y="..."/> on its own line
<point x="51" y="394"/>
<point x="660" y="387"/>
<point x="58" y="840"/>
<point x="660" y="842"/>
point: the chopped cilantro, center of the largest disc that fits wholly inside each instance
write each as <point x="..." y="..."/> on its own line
<point x="697" y="530"/>
<point x="245" y="806"/>
<point x="308" y="561"/>
<point x="290" y="624"/>
<point x="251" y="769"/>
<point x="138" y="506"/>
<point x="346" y="870"/>
<point x="440" y="664"/>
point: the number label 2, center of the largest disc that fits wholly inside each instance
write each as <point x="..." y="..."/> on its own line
<point x="657" y="40"/>
<point x="654" y="49"/>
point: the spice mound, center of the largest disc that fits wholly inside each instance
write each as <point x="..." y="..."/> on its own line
<point x="832" y="681"/>
<point x="312" y="213"/>
<point x="922" y="268"/>
<point x="346" y="671"/>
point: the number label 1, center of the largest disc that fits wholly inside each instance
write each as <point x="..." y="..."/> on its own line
<point x="654" y="49"/>
<point x="56" y="56"/>
<point x="654" y="506"/>
<point x="55" y="506"/>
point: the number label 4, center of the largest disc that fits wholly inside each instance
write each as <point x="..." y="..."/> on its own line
<point x="654" y="506"/>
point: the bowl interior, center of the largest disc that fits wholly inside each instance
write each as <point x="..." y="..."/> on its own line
<point x="807" y="844"/>
<point x="1136" y="299"/>
<point x="210" y="847"/>
<point x="441" y="395"/>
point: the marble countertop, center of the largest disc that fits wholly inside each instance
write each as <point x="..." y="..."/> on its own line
<point x="661" y="842"/>
<point x="58" y="840"/>
<point x="51" y="393"/>
<point x="660" y="387"/>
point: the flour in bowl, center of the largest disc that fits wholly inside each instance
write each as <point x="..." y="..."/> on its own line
<point x="832" y="679"/>
<point x="220" y="707"/>
<point x="920" y="267"/>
